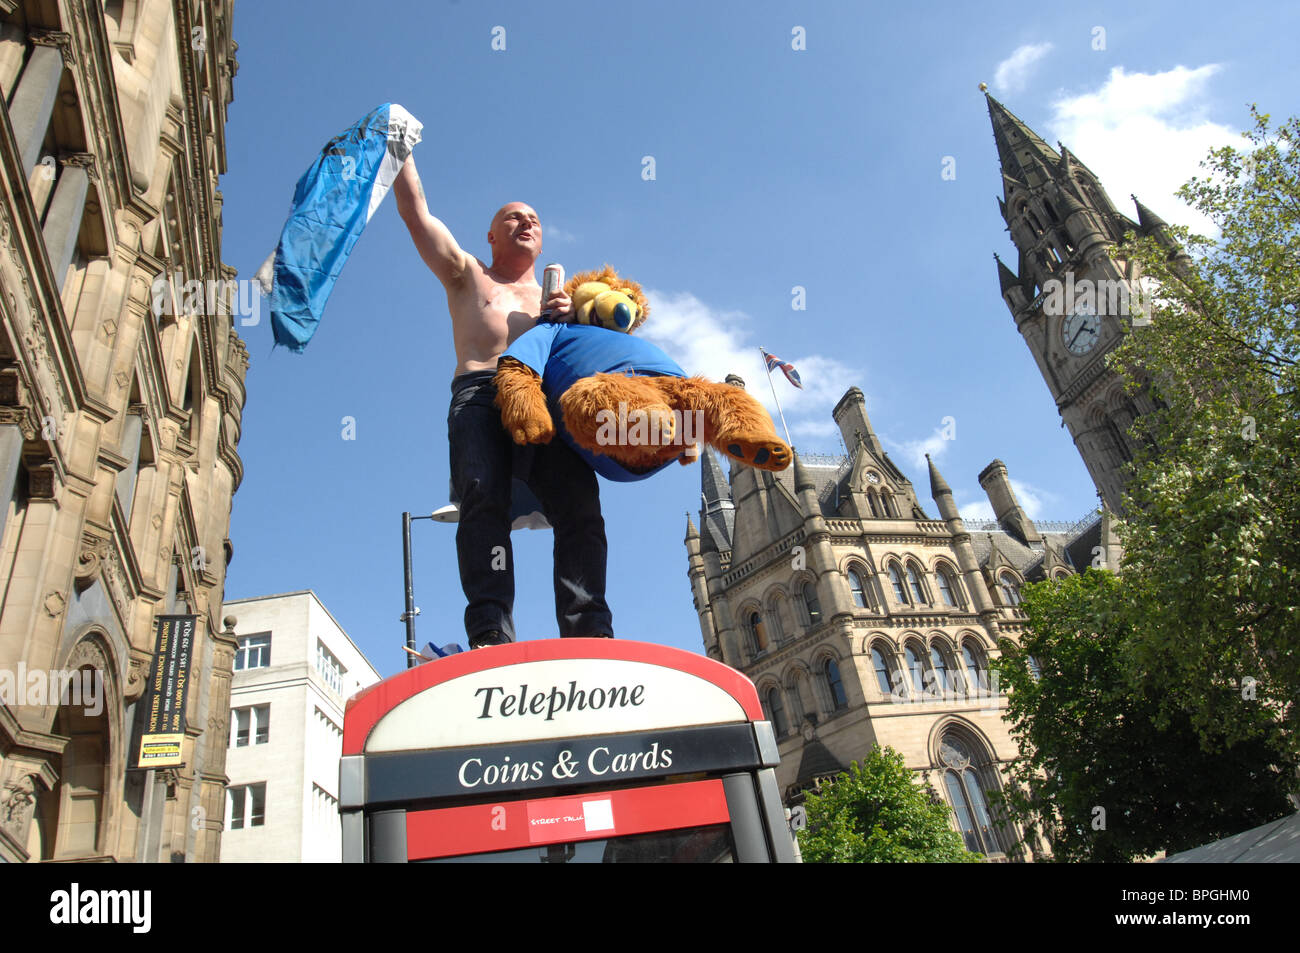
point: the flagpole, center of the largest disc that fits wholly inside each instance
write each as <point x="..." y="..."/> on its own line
<point x="779" y="411"/>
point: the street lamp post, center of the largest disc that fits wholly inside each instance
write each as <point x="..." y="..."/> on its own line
<point x="411" y="611"/>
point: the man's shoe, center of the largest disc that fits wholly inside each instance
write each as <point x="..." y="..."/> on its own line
<point x="491" y="637"/>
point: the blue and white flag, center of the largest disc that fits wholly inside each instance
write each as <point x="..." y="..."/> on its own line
<point x="331" y="206"/>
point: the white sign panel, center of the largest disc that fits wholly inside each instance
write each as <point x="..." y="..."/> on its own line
<point x="556" y="698"/>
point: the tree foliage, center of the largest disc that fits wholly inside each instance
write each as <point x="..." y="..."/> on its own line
<point x="1212" y="514"/>
<point x="1105" y="772"/>
<point x="877" y="812"/>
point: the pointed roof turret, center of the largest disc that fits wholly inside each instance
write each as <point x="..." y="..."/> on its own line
<point x="1148" y="220"/>
<point x="1021" y="152"/>
<point x="713" y="484"/>
<point x="691" y="531"/>
<point x="938" y="485"/>
<point x="1006" y="277"/>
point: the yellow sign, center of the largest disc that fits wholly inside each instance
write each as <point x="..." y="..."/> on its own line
<point x="160" y="751"/>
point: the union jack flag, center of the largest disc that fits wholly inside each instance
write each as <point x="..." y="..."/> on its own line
<point x="773" y="362"/>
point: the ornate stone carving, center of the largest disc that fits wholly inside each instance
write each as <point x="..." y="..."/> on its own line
<point x="54" y="604"/>
<point x="82" y="160"/>
<point x="55" y="38"/>
<point x="17" y="803"/>
<point x="94" y="550"/>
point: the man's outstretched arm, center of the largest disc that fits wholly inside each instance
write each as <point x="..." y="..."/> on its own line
<point x="432" y="238"/>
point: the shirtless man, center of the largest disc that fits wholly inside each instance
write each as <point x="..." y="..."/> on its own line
<point x="491" y="306"/>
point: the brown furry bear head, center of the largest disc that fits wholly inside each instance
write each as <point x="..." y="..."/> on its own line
<point x="604" y="299"/>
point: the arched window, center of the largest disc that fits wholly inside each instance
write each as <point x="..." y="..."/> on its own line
<point x="858" y="590"/>
<point x="1035" y="670"/>
<point x="976" y="671"/>
<point x="1010" y="589"/>
<point x="886" y="506"/>
<point x="883" y="680"/>
<point x="776" y="708"/>
<point x="939" y="671"/>
<point x="914" y="581"/>
<point x="871" y="502"/>
<point x="811" y="604"/>
<point x="947" y="586"/>
<point x="896" y="579"/>
<point x="774" y="617"/>
<point x="757" y="633"/>
<point x="968" y="796"/>
<point x="916" y="665"/>
<point x="831" y="672"/>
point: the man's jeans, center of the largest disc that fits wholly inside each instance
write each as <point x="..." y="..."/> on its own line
<point x="482" y="454"/>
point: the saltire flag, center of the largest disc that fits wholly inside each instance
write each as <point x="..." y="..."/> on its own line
<point x="773" y="362"/>
<point x="332" y="203"/>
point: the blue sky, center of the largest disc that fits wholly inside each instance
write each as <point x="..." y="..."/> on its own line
<point x="774" y="168"/>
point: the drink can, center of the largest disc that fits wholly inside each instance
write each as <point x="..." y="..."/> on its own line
<point x="552" y="279"/>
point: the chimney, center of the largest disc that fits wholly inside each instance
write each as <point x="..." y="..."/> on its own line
<point x="851" y="416"/>
<point x="1006" y="509"/>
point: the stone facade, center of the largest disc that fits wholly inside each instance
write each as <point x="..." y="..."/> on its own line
<point x="862" y="620"/>
<point x="119" y="419"/>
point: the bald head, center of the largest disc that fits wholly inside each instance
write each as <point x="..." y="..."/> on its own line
<point x="515" y="230"/>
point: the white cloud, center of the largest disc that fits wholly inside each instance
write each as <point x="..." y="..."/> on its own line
<point x="1145" y="134"/>
<point x="557" y="235"/>
<point x="714" y="343"/>
<point x="1013" y="72"/>
<point x="1032" y="500"/>
<point x="914" y="451"/>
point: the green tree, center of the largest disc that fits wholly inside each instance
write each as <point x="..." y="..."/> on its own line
<point x="877" y="812"/>
<point x="1212" y="516"/>
<point x="1103" y="771"/>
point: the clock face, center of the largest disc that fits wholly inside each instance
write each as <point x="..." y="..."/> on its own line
<point x="1081" y="330"/>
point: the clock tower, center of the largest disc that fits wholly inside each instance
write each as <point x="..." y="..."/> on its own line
<point x="1071" y="301"/>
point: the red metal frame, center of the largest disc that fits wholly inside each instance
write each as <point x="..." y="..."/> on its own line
<point x="366" y="707"/>
<point x="511" y="825"/>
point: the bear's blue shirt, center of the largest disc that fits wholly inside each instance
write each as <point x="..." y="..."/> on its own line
<point x="563" y="353"/>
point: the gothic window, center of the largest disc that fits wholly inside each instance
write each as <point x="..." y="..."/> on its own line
<point x="811" y="604"/>
<point x="871" y="502"/>
<point x="969" y="797"/>
<point x="1035" y="670"/>
<point x="883" y="680"/>
<point x="774" y="617"/>
<point x="757" y="633"/>
<point x="939" y="684"/>
<point x="1010" y="589"/>
<point x="887" y="508"/>
<point x="914" y="582"/>
<point x="947" y="586"/>
<point x="831" y="672"/>
<point x="916" y="666"/>
<point x="776" y="710"/>
<point x="976" y="671"/>
<point x="896" y="579"/>
<point x="858" y="590"/>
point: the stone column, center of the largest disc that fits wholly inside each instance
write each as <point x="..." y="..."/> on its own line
<point x="33" y="101"/>
<point x="63" y="220"/>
